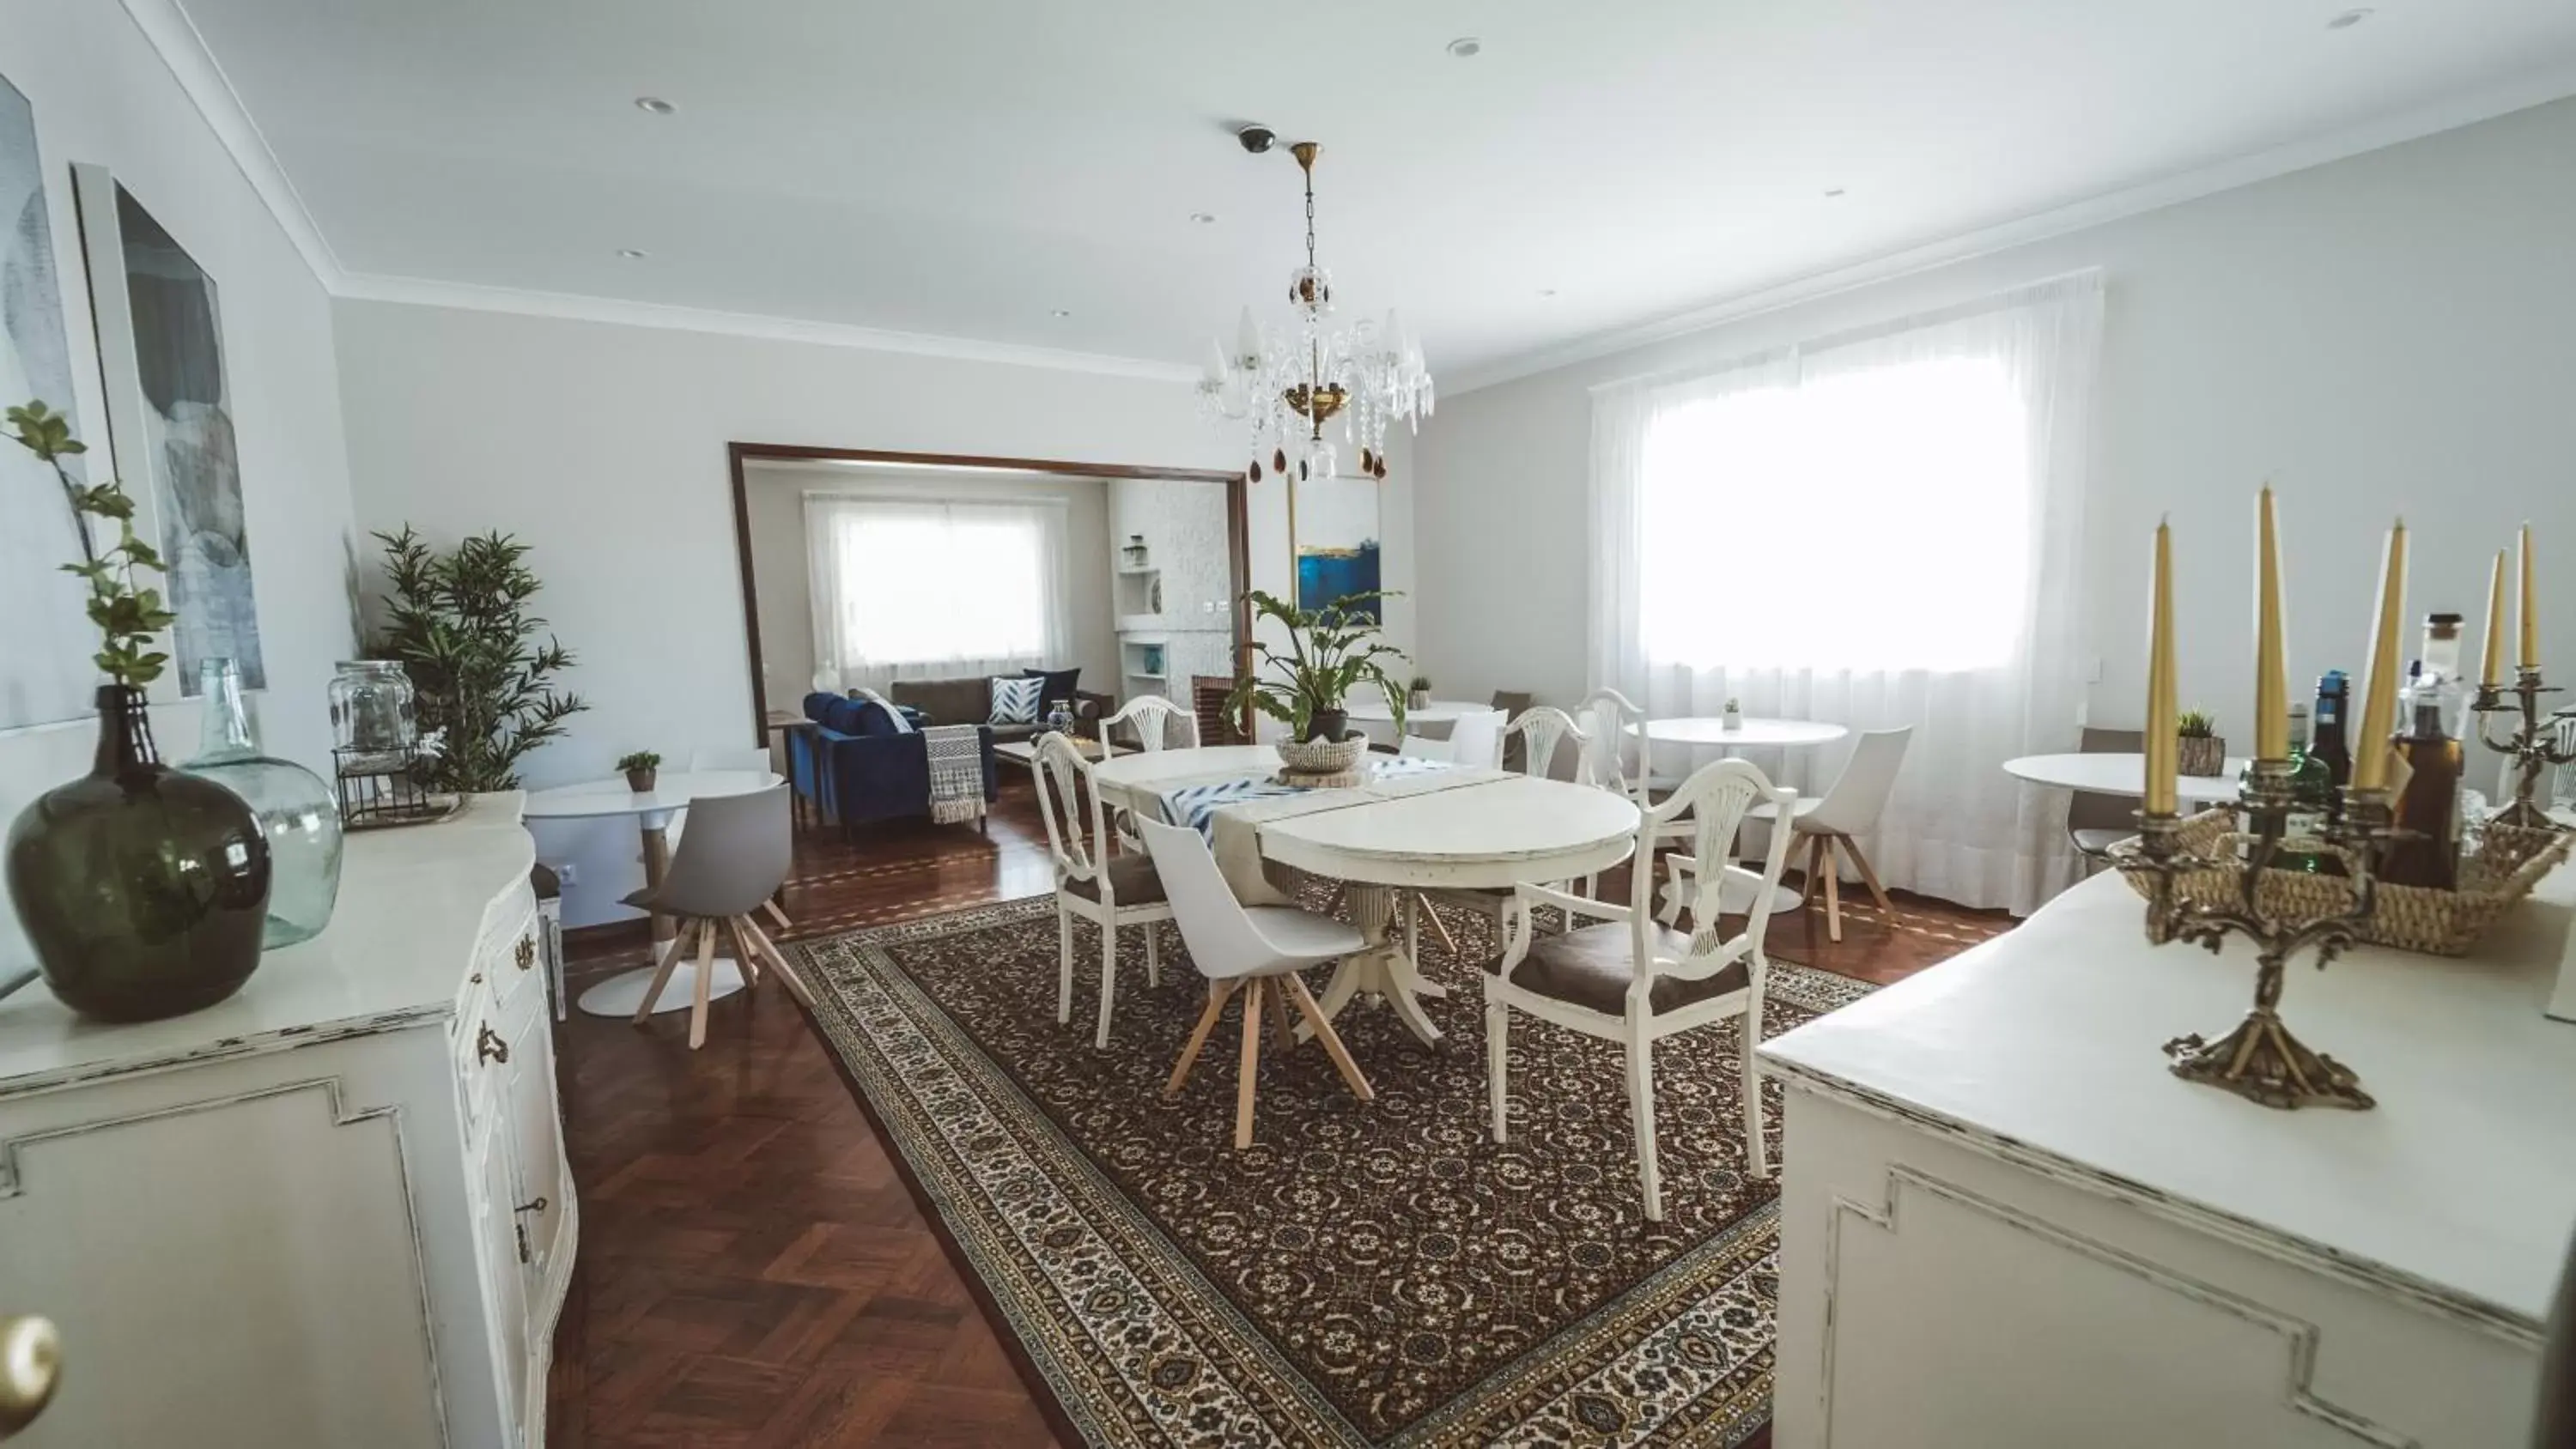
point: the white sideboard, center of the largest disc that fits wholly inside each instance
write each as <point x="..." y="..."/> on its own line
<point x="333" y="1210"/>
<point x="2005" y="1223"/>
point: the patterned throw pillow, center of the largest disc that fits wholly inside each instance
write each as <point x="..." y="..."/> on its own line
<point x="1015" y="701"/>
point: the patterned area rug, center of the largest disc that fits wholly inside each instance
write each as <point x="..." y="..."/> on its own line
<point x="1367" y="1274"/>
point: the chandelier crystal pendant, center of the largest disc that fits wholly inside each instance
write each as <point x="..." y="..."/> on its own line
<point x="1289" y="384"/>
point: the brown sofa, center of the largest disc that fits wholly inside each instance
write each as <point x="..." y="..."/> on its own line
<point x="970" y="701"/>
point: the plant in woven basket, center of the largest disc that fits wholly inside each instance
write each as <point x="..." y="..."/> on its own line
<point x="1331" y="651"/>
<point x="461" y="627"/>
<point x="2202" y="750"/>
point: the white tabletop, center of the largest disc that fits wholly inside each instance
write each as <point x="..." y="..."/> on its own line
<point x="1147" y="772"/>
<point x="2458" y="1188"/>
<point x="1750" y="731"/>
<point x="2114" y="773"/>
<point x="672" y="790"/>
<point x="1439" y="711"/>
<point x="1495" y="834"/>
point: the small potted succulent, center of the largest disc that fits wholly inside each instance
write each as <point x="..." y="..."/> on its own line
<point x="2203" y="750"/>
<point x="640" y="768"/>
<point x="1421" y="692"/>
<point x="1732" y="718"/>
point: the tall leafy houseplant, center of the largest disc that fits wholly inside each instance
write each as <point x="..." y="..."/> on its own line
<point x="1331" y="651"/>
<point x="461" y="627"/>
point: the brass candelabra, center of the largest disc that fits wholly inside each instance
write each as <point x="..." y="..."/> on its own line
<point x="2260" y="1059"/>
<point x="2533" y="743"/>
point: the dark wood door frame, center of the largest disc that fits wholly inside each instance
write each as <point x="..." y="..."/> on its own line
<point x="1238" y="533"/>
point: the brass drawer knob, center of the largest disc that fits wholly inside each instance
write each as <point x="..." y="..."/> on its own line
<point x="31" y="1357"/>
<point x="488" y="1045"/>
<point x="527" y="954"/>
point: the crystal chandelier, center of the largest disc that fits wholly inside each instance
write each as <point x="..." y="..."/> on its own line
<point x="1289" y="384"/>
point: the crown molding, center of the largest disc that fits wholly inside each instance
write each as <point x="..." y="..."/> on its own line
<point x="2536" y="88"/>
<point x="175" y="38"/>
<point x="578" y="307"/>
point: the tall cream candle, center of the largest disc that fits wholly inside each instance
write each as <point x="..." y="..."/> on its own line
<point x="2493" y="672"/>
<point x="2163" y="746"/>
<point x="2530" y="605"/>
<point x="2271" y="672"/>
<point x="2379" y="694"/>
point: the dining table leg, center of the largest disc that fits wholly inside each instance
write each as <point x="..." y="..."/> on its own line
<point x="1380" y="969"/>
<point x="657" y="864"/>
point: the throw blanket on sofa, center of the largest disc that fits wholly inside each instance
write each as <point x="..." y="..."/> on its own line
<point x="956" y="773"/>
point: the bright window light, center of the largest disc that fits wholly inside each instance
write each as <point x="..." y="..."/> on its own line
<point x="920" y="583"/>
<point x="1874" y="519"/>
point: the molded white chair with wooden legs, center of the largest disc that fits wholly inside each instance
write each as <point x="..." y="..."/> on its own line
<point x="1107" y="890"/>
<point x="1159" y="724"/>
<point x="729" y="757"/>
<point x="1252" y="953"/>
<point x="1634" y="981"/>
<point x="1849" y="807"/>
<point x="727" y="867"/>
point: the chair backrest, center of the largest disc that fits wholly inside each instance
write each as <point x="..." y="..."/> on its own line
<point x="1477" y="739"/>
<point x="1209" y="694"/>
<point x="1513" y="703"/>
<point x="1223" y="942"/>
<point x="1158" y="724"/>
<point x="1077" y="825"/>
<point x="1609" y="715"/>
<point x="735" y="854"/>
<point x="1853" y="802"/>
<point x="1424" y="747"/>
<point x="1530" y="743"/>
<point x="2089" y="811"/>
<point x="1716" y="797"/>
<point x="731" y="757"/>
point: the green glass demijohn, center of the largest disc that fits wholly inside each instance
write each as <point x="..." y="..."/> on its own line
<point x="143" y="889"/>
<point x="296" y="810"/>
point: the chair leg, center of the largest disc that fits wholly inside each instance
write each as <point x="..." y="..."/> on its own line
<point x="775" y="914"/>
<point x="1439" y="927"/>
<point x="1498" y="1025"/>
<point x="1153" y="957"/>
<point x="1108" y="979"/>
<point x="1218" y="993"/>
<point x="1807" y="889"/>
<point x="1833" y="889"/>
<point x="1869" y="878"/>
<point x="1251" y="1065"/>
<point x="706" y="975"/>
<point x="1757" y="1153"/>
<point x="1277" y="996"/>
<point x="777" y="960"/>
<point x="1641" y="1112"/>
<point x="1063" y="965"/>
<point x="742" y="952"/>
<point x="1322" y="1026"/>
<point x="662" y="970"/>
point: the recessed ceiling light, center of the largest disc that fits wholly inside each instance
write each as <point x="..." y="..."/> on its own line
<point x="1833" y="191"/>
<point x="2350" y="18"/>
<point x="1058" y="312"/>
<point x="654" y="105"/>
<point x="1547" y="291"/>
<point x="631" y="254"/>
<point x="1204" y="218"/>
<point x="1465" y="46"/>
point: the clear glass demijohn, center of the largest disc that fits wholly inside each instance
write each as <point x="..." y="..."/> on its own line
<point x="295" y="807"/>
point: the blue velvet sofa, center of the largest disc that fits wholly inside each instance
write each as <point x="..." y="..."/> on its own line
<point x="852" y="766"/>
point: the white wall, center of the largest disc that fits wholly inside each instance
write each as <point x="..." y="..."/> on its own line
<point x="776" y="495"/>
<point x="2393" y="333"/>
<point x="603" y="446"/>
<point x="102" y="95"/>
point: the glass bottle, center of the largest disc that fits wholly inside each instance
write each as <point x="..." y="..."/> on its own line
<point x="372" y="719"/>
<point x="2334" y="695"/>
<point x="2426" y="850"/>
<point x="2312" y="804"/>
<point x="296" y="810"/>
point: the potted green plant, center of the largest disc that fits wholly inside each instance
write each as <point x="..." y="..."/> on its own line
<point x="1733" y="717"/>
<point x="640" y="767"/>
<point x="2203" y="751"/>
<point x="461" y="627"/>
<point x="1421" y="693"/>
<point x="143" y="890"/>
<point x="1307" y="684"/>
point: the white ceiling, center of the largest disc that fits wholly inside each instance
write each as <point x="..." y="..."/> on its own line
<point x="964" y="167"/>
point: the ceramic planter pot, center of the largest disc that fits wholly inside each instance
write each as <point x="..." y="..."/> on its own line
<point x="641" y="781"/>
<point x="1328" y="724"/>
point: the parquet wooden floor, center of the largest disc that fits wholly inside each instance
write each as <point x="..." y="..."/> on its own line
<point x="754" y="1271"/>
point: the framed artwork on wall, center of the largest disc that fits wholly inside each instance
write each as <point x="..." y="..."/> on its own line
<point x="1333" y="531"/>
<point x="169" y="410"/>
<point x="45" y="671"/>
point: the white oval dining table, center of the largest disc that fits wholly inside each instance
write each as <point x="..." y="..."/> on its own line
<point x="653" y="810"/>
<point x="2116" y="772"/>
<point x="1749" y="732"/>
<point x="1439" y="711"/>
<point x="1497" y="833"/>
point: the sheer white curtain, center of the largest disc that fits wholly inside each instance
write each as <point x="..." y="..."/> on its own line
<point x="913" y="588"/>
<point x="1875" y="530"/>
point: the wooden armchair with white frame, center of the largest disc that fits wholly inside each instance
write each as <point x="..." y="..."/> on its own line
<point x="1635" y="981"/>
<point x="1159" y="724"/>
<point x="1109" y="890"/>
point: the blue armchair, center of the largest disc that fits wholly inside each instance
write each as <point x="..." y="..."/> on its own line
<point x="854" y="767"/>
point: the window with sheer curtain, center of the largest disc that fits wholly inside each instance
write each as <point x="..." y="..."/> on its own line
<point x="922" y="588"/>
<point x="1874" y="519"/>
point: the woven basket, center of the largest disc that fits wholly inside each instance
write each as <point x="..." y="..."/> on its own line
<point x="2509" y="861"/>
<point x="1320" y="762"/>
<point x="2201" y="755"/>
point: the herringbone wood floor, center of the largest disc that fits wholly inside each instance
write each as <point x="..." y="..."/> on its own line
<point x="754" y="1270"/>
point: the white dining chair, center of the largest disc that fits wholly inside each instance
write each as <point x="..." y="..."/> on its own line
<point x="726" y="757"/>
<point x="1109" y="890"/>
<point x="1475" y="738"/>
<point x="1249" y="952"/>
<point x="1634" y="981"/>
<point x="1159" y="724"/>
<point x="1541" y="730"/>
<point x="1612" y="719"/>
<point x="1828" y="823"/>
<point x="729" y="866"/>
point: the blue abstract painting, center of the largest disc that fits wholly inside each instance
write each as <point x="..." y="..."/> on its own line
<point x="1337" y="540"/>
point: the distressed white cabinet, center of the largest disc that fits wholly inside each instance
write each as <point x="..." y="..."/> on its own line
<point x="333" y="1210"/>
<point x="2005" y="1223"/>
